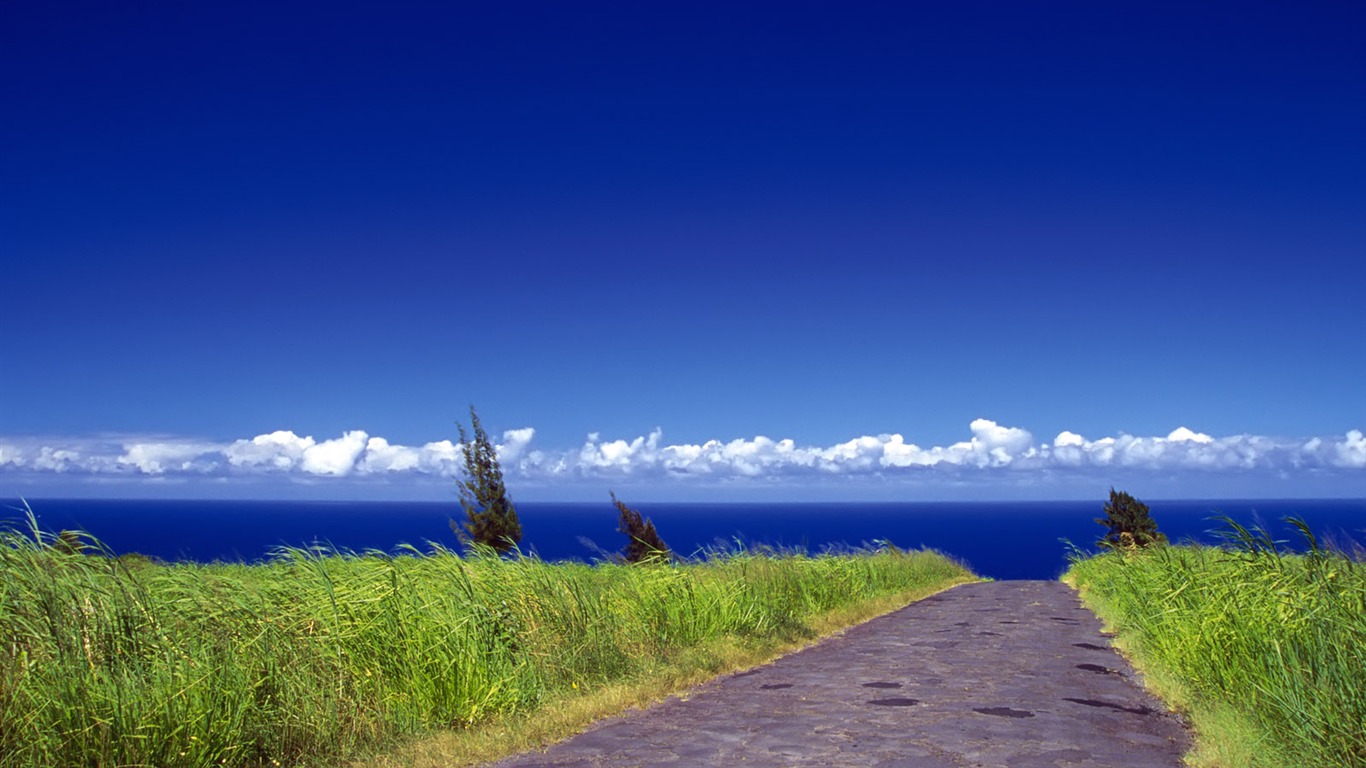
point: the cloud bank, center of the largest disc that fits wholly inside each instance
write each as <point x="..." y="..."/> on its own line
<point x="991" y="451"/>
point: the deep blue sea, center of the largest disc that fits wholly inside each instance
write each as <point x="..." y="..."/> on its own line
<point x="1004" y="540"/>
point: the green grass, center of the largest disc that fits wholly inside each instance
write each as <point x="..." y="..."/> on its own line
<point x="313" y="657"/>
<point x="1265" y="650"/>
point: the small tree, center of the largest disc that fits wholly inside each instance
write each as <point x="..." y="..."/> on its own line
<point x="1129" y="523"/>
<point x="490" y="518"/>
<point x="69" y="543"/>
<point x="643" y="541"/>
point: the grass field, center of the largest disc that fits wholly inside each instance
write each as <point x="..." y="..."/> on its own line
<point x="312" y="657"/>
<point x="1265" y="650"/>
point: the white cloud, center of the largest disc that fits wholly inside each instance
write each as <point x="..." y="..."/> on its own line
<point x="278" y="450"/>
<point x="618" y="454"/>
<point x="1180" y="449"/>
<point x="861" y="453"/>
<point x="1068" y="440"/>
<point x="59" y="460"/>
<point x="11" y="455"/>
<point x="1351" y="452"/>
<point x="380" y="456"/>
<point x="514" y="442"/>
<point x="1183" y="435"/>
<point x="439" y="458"/>
<point x="990" y="450"/>
<point x="335" y="457"/>
<point x="997" y="446"/>
<point x="284" y="450"/>
<point x="158" y="457"/>
<point x="992" y="445"/>
<point x="746" y="458"/>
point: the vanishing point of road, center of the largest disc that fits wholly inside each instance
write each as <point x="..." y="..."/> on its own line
<point x="1008" y="674"/>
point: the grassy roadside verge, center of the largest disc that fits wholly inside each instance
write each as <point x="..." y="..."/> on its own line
<point x="571" y="712"/>
<point x="311" y="658"/>
<point x="1264" y="650"/>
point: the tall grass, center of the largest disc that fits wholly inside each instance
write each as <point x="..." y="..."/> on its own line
<point x="314" y="655"/>
<point x="1268" y="645"/>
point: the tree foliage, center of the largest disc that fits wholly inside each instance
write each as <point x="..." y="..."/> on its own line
<point x="490" y="518"/>
<point x="69" y="542"/>
<point x="643" y="542"/>
<point x="1128" y="522"/>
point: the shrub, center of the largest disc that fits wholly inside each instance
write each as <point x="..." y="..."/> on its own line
<point x="643" y="541"/>
<point x="490" y="518"/>
<point x="69" y="542"/>
<point x="1130" y="526"/>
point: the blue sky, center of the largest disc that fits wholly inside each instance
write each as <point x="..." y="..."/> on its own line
<point x="951" y="224"/>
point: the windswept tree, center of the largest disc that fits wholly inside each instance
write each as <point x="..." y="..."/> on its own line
<point x="69" y="542"/>
<point x="490" y="518"/>
<point x="643" y="542"/>
<point x="1128" y="522"/>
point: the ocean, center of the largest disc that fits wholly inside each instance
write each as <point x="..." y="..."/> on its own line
<point x="1003" y="540"/>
